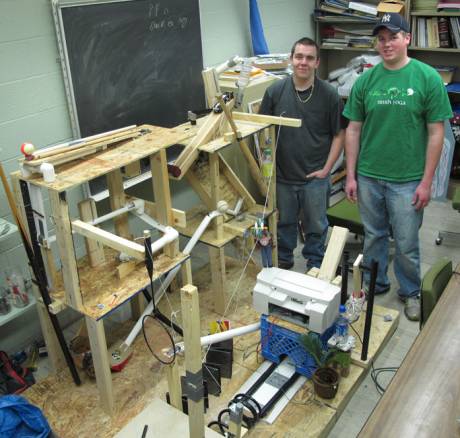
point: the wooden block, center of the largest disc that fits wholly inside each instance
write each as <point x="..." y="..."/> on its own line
<point x="133" y="249"/>
<point x="333" y="254"/>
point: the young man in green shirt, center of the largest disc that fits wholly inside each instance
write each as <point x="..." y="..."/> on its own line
<point x="393" y="143"/>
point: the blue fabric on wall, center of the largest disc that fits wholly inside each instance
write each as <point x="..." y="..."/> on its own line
<point x="20" y="419"/>
<point x="259" y="45"/>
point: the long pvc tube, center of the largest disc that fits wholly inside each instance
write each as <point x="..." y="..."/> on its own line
<point x="223" y="336"/>
<point x="228" y="334"/>
<point x="169" y="278"/>
<point x="128" y="207"/>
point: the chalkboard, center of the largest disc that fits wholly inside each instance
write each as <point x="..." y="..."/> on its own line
<point x="132" y="62"/>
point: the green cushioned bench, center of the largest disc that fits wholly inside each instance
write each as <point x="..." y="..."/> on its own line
<point x="346" y="214"/>
<point x="451" y="234"/>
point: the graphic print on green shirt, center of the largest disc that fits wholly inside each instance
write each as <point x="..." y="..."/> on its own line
<point x="395" y="107"/>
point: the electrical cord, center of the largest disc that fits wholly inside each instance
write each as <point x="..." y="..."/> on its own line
<point x="167" y="332"/>
<point x="248" y="421"/>
<point x="375" y="374"/>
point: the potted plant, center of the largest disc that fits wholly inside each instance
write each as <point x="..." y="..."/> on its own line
<point x="325" y="379"/>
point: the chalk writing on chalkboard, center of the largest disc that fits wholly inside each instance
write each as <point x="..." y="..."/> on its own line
<point x="163" y="20"/>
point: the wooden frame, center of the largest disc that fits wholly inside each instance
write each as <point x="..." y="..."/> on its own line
<point x="94" y="285"/>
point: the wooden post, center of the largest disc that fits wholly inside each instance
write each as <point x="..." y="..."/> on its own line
<point x="174" y="386"/>
<point x="194" y="372"/>
<point x="64" y="240"/>
<point x="217" y="265"/>
<point x="162" y="194"/>
<point x="118" y="200"/>
<point x="101" y="364"/>
<point x="94" y="249"/>
<point x="215" y="193"/>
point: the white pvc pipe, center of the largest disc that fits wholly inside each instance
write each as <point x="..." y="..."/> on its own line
<point x="169" y="278"/>
<point x="229" y="334"/>
<point x="150" y="221"/>
<point x="128" y="207"/>
<point x="169" y="235"/>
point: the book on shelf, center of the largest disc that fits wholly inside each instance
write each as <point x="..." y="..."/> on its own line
<point x="454" y="29"/>
<point x="425" y="6"/>
<point x="328" y="15"/>
<point x="449" y="4"/>
<point x="444" y="34"/>
<point x="367" y="8"/>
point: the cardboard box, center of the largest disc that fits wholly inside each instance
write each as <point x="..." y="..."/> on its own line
<point x="397" y="6"/>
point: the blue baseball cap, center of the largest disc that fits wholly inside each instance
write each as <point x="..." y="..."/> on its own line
<point x="393" y="22"/>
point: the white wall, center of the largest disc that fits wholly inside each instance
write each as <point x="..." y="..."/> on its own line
<point x="32" y="97"/>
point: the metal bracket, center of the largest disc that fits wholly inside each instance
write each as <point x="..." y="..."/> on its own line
<point x="194" y="385"/>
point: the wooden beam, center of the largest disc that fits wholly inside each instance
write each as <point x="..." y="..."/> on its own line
<point x="252" y="163"/>
<point x="206" y="132"/>
<point x="101" y="364"/>
<point x="94" y="249"/>
<point x="215" y="193"/>
<point x="117" y="200"/>
<point x="191" y="324"/>
<point x="218" y="280"/>
<point x="271" y="120"/>
<point x="119" y="243"/>
<point x="357" y="276"/>
<point x="64" y="240"/>
<point x="161" y="192"/>
<point x="333" y="254"/>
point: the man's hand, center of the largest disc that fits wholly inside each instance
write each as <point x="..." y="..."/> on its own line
<point x="422" y="196"/>
<point x="318" y="174"/>
<point x="351" y="189"/>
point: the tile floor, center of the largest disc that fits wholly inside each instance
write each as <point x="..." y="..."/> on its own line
<point x="437" y="216"/>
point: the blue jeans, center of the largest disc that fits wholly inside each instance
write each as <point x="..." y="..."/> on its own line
<point x="311" y="199"/>
<point x="382" y="203"/>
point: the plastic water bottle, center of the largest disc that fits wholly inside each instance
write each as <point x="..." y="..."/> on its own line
<point x="243" y="81"/>
<point x="341" y="326"/>
<point x="267" y="163"/>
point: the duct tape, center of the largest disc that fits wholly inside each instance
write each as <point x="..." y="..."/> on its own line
<point x="194" y="385"/>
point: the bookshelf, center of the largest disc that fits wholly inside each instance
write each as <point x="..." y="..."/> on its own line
<point x="336" y="56"/>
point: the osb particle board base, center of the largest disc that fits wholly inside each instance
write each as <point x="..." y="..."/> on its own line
<point x="103" y="292"/>
<point x="381" y="332"/>
<point x="81" y="170"/>
<point x="74" y="411"/>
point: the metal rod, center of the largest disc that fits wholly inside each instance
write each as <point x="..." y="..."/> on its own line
<point x="370" y="309"/>
<point x="38" y="268"/>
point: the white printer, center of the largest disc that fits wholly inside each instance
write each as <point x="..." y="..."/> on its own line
<point x="301" y="299"/>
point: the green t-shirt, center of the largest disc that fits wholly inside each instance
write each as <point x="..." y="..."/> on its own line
<point x="395" y="107"/>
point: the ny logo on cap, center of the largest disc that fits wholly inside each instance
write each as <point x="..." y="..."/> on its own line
<point x="386" y="18"/>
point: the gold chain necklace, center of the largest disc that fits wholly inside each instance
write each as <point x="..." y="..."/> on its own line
<point x="309" y="96"/>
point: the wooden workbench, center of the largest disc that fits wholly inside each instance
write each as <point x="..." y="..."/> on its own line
<point x="423" y="399"/>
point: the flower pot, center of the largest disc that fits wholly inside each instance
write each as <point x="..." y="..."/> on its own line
<point x="326" y="382"/>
